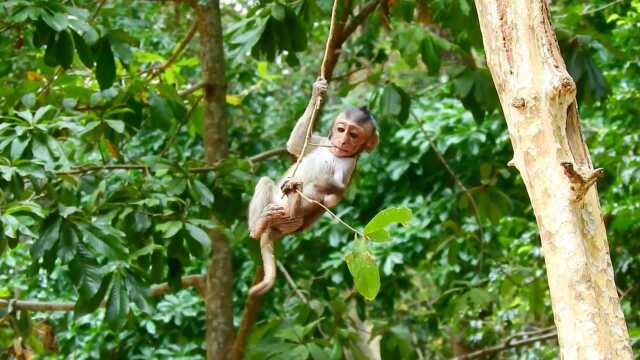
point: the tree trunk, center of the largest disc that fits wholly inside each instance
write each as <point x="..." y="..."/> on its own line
<point x="219" y="278"/>
<point x="538" y="99"/>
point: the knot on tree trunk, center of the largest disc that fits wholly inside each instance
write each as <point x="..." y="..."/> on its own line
<point x="581" y="180"/>
<point x="563" y="88"/>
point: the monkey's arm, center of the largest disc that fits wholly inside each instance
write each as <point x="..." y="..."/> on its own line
<point x="299" y="133"/>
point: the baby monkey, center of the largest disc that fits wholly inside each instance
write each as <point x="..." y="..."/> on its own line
<point x="323" y="175"/>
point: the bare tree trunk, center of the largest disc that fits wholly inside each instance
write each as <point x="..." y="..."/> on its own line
<point x="538" y="99"/>
<point x="219" y="278"/>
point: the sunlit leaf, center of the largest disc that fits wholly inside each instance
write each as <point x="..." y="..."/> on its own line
<point x="364" y="270"/>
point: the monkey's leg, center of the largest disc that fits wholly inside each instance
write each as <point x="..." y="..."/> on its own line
<point x="262" y="196"/>
<point x="268" y="262"/>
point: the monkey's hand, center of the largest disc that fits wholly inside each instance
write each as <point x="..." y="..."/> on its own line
<point x="320" y="88"/>
<point x="290" y="185"/>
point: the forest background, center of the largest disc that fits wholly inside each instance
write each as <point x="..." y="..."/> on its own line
<point x="105" y="192"/>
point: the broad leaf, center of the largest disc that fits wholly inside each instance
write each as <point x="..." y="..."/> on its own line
<point x="375" y="229"/>
<point x="197" y="233"/>
<point x="105" y="63"/>
<point x="364" y="270"/>
<point x="117" y="303"/>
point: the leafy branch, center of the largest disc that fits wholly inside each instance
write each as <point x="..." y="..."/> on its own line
<point x="195" y="281"/>
<point x="81" y="170"/>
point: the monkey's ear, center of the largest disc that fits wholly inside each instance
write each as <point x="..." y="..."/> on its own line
<point x="371" y="144"/>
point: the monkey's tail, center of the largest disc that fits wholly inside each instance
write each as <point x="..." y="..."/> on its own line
<point x="268" y="264"/>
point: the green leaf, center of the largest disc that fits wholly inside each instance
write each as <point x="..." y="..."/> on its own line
<point x="64" y="49"/>
<point x="68" y="243"/>
<point x="116" y="125"/>
<point x="161" y="114"/>
<point x="3" y="244"/>
<point x="391" y="101"/>
<point x="293" y="333"/>
<point x="105" y="63"/>
<point x="18" y="146"/>
<point x="364" y="270"/>
<point x="480" y="297"/>
<point x="278" y="11"/>
<point x="379" y="235"/>
<point x="430" y="55"/>
<point x="197" y="233"/>
<point x="169" y="228"/>
<point x="84" y="51"/>
<point x="317" y="353"/>
<point x="50" y="232"/>
<point x="57" y="21"/>
<point x="50" y="54"/>
<point x="88" y="303"/>
<point x="385" y="218"/>
<point x="298" y="31"/>
<point x="205" y="195"/>
<point x="10" y="225"/>
<point x="104" y="245"/>
<point x="117" y="303"/>
<point x="149" y="249"/>
<point x="41" y="34"/>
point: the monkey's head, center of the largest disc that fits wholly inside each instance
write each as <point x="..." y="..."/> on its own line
<point x="353" y="131"/>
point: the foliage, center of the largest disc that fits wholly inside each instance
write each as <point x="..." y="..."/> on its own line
<point x="83" y="91"/>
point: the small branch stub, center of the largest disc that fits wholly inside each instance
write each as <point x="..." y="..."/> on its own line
<point x="581" y="182"/>
<point x="519" y="103"/>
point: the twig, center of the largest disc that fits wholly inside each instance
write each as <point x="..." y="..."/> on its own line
<point x="626" y="292"/>
<point x="367" y="9"/>
<point x="97" y="11"/>
<point x="589" y="12"/>
<point x="186" y="119"/>
<point x="195" y="281"/>
<point x="47" y="86"/>
<point x="267" y="155"/>
<point x="455" y="177"/>
<point x="347" y="74"/>
<point x="506" y="345"/>
<point x="336" y="217"/>
<point x="87" y="169"/>
<point x="192" y="89"/>
<point x="291" y="283"/>
<point x="155" y="71"/>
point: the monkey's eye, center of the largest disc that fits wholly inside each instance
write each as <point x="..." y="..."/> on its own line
<point x="353" y="135"/>
<point x="340" y="129"/>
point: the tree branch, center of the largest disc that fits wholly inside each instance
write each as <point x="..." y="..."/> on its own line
<point x="267" y="155"/>
<point x="591" y="11"/>
<point x="292" y="283"/>
<point x="195" y="281"/>
<point x="192" y="89"/>
<point x="97" y="10"/>
<point x="155" y="71"/>
<point x="366" y="10"/>
<point x="80" y="170"/>
<point x="507" y="345"/>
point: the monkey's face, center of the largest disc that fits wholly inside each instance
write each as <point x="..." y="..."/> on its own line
<point x="347" y="137"/>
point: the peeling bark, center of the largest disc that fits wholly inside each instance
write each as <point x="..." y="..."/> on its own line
<point x="538" y="99"/>
<point x="219" y="278"/>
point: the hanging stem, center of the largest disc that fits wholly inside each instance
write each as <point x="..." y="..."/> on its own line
<point x="329" y="48"/>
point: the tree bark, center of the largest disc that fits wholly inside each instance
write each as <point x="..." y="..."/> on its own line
<point x="219" y="277"/>
<point x="538" y="99"/>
